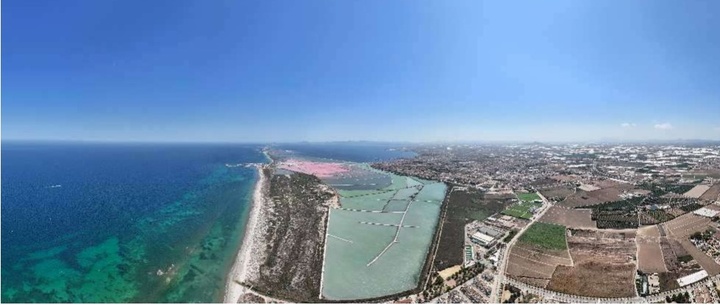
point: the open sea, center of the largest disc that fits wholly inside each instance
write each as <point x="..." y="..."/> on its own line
<point x="122" y="222"/>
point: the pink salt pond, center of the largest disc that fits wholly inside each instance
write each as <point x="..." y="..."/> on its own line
<point x="318" y="169"/>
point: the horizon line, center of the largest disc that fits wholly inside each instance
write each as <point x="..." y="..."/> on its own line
<point x="435" y="142"/>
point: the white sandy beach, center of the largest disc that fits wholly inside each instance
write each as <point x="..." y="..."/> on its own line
<point x="246" y="262"/>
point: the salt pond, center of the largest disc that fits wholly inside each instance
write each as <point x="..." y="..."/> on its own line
<point x="379" y="239"/>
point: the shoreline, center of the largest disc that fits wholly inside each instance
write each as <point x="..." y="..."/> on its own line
<point x="239" y="271"/>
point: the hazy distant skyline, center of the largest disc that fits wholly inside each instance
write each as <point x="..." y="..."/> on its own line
<point x="287" y="71"/>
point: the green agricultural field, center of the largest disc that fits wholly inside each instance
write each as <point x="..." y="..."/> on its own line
<point x="521" y="210"/>
<point x="528" y="197"/>
<point x="545" y="235"/>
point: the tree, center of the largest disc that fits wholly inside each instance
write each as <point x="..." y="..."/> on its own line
<point x="696" y="235"/>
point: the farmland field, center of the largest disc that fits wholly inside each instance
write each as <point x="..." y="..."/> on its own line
<point x="655" y="216"/>
<point x="678" y="262"/>
<point x="617" y="214"/>
<point x="535" y="265"/>
<point x="528" y="197"/>
<point x="650" y="256"/>
<point x="680" y="228"/>
<point x="712" y="194"/>
<point x="582" y="198"/>
<point x="571" y="218"/>
<point x="545" y="235"/>
<point x="540" y="250"/>
<point x="697" y="191"/>
<point x="558" y="192"/>
<point x="603" y="265"/>
<point x="521" y="210"/>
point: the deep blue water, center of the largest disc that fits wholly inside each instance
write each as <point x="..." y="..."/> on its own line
<point x="121" y="222"/>
<point x="349" y="151"/>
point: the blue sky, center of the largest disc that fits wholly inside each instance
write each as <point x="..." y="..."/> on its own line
<point x="360" y="70"/>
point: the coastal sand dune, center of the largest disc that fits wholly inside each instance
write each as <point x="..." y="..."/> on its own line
<point x="282" y="252"/>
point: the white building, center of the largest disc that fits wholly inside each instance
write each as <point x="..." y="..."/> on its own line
<point x="482" y="239"/>
<point x="705" y="212"/>
<point x="692" y="278"/>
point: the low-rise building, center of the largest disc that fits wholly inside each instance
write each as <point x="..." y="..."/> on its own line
<point x="482" y="239"/>
<point x="692" y="278"/>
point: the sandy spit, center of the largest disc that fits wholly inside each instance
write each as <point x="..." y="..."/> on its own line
<point x="246" y="263"/>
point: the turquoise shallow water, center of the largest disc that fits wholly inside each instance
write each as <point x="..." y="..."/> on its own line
<point x="358" y="262"/>
<point x="122" y="222"/>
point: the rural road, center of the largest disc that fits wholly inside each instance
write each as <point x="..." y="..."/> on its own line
<point x="500" y="278"/>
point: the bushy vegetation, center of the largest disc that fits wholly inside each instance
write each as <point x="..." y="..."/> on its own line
<point x="705" y="235"/>
<point x="515" y="293"/>
<point x="545" y="235"/>
<point x="678" y="298"/>
<point x="685" y="258"/>
<point x="691" y="207"/>
<point x="660" y="215"/>
<point x="617" y="214"/>
<point x="679" y="189"/>
<point x="463" y="207"/>
<point x="658" y="190"/>
<point x="438" y="285"/>
<point x="510" y="236"/>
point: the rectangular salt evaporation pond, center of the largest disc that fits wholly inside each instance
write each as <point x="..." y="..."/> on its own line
<point x="359" y="177"/>
<point x="405" y="194"/>
<point x="434" y="192"/>
<point x="372" y="202"/>
<point x="413" y="182"/>
<point x="351" y="271"/>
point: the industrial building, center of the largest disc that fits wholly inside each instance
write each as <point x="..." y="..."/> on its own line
<point x="692" y="278"/>
<point x="482" y="239"/>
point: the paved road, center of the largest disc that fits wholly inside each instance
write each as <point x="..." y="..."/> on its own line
<point x="661" y="296"/>
<point x="501" y="279"/>
<point x="502" y="266"/>
<point x="568" y="298"/>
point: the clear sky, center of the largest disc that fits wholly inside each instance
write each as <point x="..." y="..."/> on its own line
<point x="360" y="70"/>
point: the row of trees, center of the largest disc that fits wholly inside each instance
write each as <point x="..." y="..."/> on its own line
<point x="438" y="286"/>
<point x="679" y="298"/>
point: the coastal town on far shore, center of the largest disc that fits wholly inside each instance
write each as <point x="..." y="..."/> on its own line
<point x="525" y="223"/>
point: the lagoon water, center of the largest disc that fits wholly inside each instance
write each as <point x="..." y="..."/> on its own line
<point x="364" y="260"/>
<point x="122" y="222"/>
<point x="352" y="245"/>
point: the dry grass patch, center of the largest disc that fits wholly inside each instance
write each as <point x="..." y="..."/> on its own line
<point x="604" y="264"/>
<point x="535" y="265"/>
<point x="571" y="218"/>
<point x="712" y="194"/>
<point x="650" y="257"/>
<point x="560" y="192"/>
<point x="697" y="191"/>
<point x="685" y="225"/>
<point x="595" y="279"/>
<point x="583" y="198"/>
